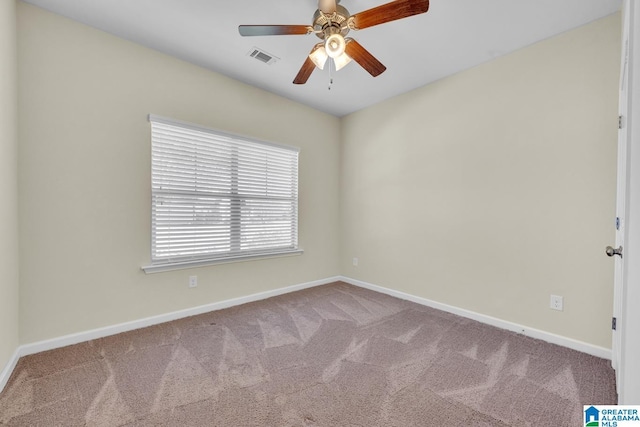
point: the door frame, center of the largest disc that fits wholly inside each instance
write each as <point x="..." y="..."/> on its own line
<point x="629" y="369"/>
<point x="621" y="196"/>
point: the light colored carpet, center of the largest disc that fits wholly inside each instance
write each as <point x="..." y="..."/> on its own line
<point x="334" y="355"/>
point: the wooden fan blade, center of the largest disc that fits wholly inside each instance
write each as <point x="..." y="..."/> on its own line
<point x="364" y="58"/>
<point x="389" y="12"/>
<point x="273" y="30"/>
<point x="327" y="6"/>
<point x="306" y="70"/>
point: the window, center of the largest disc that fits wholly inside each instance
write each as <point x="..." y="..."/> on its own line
<point x="219" y="197"/>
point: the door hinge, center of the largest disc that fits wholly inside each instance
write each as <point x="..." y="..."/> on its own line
<point x="620" y="122"/>
<point x="618" y="223"/>
<point x="613" y="323"/>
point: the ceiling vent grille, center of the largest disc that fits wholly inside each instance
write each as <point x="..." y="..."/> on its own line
<point x="262" y="56"/>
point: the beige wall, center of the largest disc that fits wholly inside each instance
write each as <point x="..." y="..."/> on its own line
<point x="84" y="173"/>
<point x="8" y="184"/>
<point x="488" y="190"/>
<point x="492" y="189"/>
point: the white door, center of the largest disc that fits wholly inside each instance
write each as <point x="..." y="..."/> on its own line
<point x="617" y="252"/>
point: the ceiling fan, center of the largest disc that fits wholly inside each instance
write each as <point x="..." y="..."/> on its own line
<point x="331" y="23"/>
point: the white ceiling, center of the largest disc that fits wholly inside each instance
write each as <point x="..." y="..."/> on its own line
<point x="452" y="36"/>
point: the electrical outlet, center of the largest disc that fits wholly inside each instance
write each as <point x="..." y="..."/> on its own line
<point x="556" y="302"/>
<point x="193" y="281"/>
<point x="355" y="262"/>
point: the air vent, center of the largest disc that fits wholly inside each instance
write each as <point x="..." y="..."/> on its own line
<point x="262" y="56"/>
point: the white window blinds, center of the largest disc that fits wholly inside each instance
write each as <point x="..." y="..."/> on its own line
<point x="220" y="196"/>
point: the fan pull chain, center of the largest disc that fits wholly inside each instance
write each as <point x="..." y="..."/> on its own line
<point x="330" y="76"/>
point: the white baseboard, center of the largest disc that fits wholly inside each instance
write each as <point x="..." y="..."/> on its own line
<point x="79" y="337"/>
<point x="8" y="369"/>
<point x="581" y="346"/>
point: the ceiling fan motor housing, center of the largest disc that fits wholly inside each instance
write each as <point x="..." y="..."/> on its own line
<point x="325" y="25"/>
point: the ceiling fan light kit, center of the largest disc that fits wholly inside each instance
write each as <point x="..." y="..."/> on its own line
<point x="331" y="23"/>
<point x="341" y="61"/>
<point x="319" y="56"/>
<point x="335" y="45"/>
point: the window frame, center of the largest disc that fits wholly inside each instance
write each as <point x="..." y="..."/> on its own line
<point x="235" y="233"/>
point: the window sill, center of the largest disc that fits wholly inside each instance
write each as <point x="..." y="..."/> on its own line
<point x="159" y="268"/>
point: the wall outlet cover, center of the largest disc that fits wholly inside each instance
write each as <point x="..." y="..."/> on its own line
<point x="557" y="303"/>
<point x="193" y="281"/>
